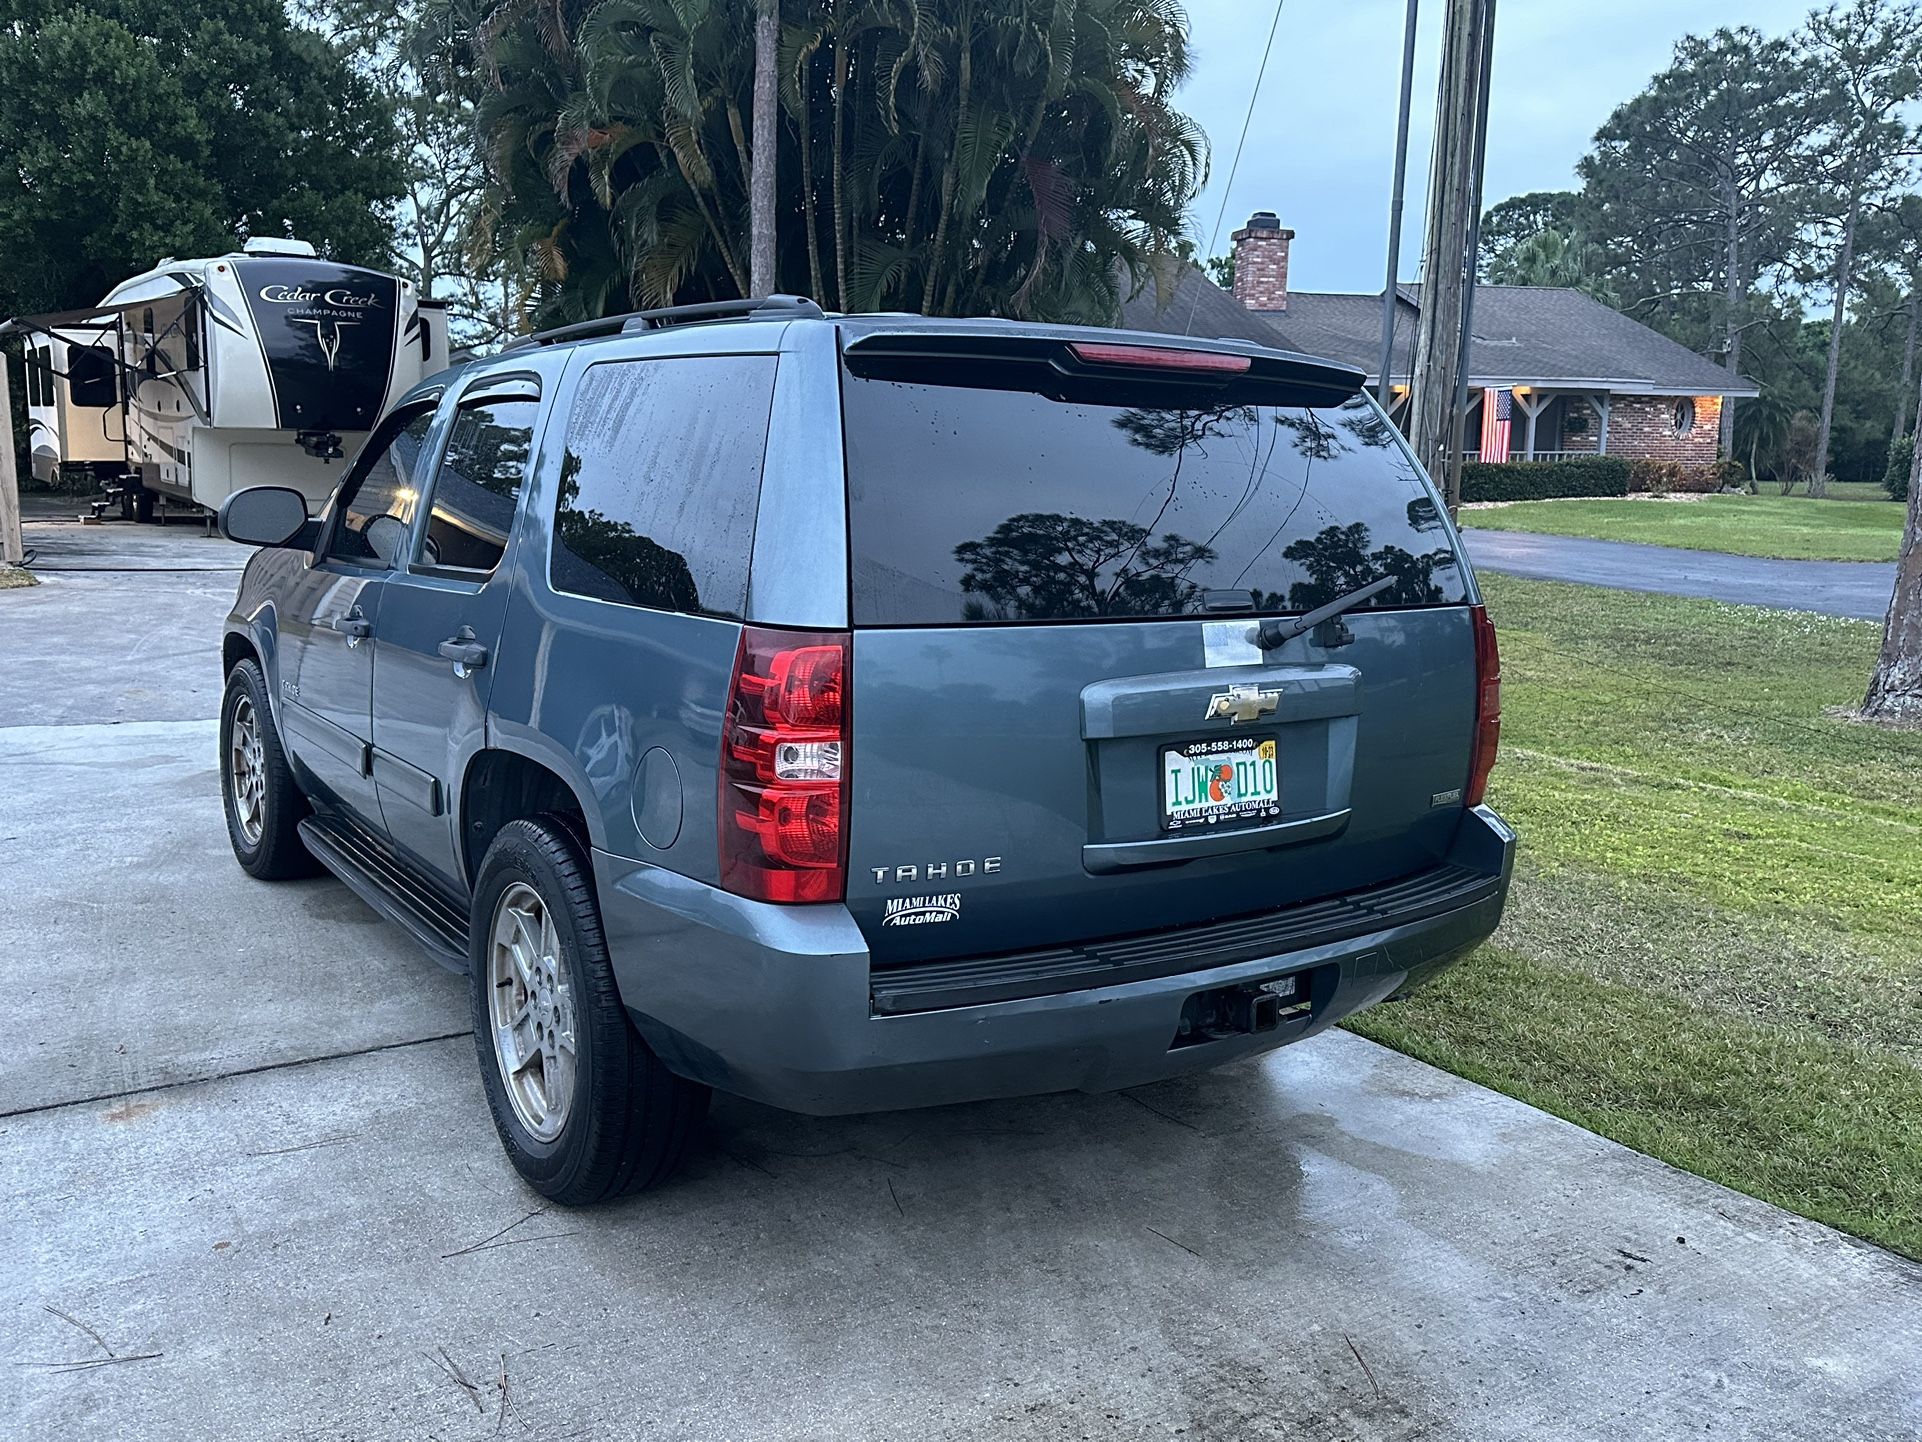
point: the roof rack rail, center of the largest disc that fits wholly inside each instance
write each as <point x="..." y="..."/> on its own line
<point x="770" y="306"/>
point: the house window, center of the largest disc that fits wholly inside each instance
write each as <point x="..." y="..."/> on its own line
<point x="1684" y="416"/>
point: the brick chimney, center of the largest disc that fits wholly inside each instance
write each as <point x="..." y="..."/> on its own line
<point x="1261" y="262"/>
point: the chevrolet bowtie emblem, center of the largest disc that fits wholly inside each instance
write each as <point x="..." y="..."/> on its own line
<point x="1242" y="703"/>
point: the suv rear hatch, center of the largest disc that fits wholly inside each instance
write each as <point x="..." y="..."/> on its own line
<point x="1061" y="729"/>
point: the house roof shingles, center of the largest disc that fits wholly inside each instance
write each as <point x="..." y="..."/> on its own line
<point x="1524" y="335"/>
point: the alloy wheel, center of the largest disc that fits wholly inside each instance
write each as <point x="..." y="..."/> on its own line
<point x="247" y="771"/>
<point x="531" y="1008"/>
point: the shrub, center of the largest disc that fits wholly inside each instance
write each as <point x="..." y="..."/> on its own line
<point x="1544" y="480"/>
<point x="1657" y="478"/>
<point x="1895" y="475"/>
<point x="1729" y="476"/>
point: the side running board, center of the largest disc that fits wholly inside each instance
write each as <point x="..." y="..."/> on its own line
<point x="382" y="879"/>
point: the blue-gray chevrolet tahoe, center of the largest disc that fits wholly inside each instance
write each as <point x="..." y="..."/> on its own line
<point x="854" y="712"/>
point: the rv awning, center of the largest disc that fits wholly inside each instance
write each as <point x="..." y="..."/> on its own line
<point x="94" y="317"/>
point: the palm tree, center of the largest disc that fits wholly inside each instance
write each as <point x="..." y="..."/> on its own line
<point x="1017" y="157"/>
<point x="1762" y="430"/>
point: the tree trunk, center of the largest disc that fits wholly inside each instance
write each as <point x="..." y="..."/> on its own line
<point x="939" y="246"/>
<point x="1844" y="274"/>
<point x="1895" y="691"/>
<point x="767" y="44"/>
<point x="840" y="192"/>
<point x="1732" y="308"/>
<point x="817" y="284"/>
<point x="1908" y="370"/>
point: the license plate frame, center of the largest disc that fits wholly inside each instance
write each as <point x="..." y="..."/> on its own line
<point x="1258" y="806"/>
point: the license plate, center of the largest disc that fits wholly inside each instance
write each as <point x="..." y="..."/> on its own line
<point x="1229" y="779"/>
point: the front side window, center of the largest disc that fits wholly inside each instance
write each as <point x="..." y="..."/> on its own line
<point x="661" y="482"/>
<point x="478" y="484"/>
<point x="378" y="505"/>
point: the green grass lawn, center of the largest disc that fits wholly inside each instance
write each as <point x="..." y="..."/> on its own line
<point x="1713" y="950"/>
<point x="1794" y="527"/>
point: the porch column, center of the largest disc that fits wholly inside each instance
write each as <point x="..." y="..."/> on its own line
<point x="1532" y="404"/>
<point x="1601" y="404"/>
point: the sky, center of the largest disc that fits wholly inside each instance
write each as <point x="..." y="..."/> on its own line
<point x="1321" y="143"/>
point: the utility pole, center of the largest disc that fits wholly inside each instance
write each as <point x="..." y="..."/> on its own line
<point x="1453" y="230"/>
<point x="766" y="140"/>
<point x="1382" y="387"/>
<point x="1453" y="486"/>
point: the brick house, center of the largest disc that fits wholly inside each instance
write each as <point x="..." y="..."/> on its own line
<point x="1583" y="379"/>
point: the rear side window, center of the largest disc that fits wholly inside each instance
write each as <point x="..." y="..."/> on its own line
<point x="478" y="484"/>
<point x="661" y="482"/>
<point x="969" y="504"/>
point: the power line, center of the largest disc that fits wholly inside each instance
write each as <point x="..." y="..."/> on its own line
<point x="1228" y="185"/>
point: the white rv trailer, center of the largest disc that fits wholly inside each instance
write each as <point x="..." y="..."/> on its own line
<point x="76" y="420"/>
<point x="202" y="377"/>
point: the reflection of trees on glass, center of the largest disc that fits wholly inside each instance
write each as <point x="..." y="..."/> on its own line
<point x="479" y="483"/>
<point x="1044" y="565"/>
<point x="623" y="565"/>
<point x="1314" y="437"/>
<point x="1168" y="432"/>
<point x="1337" y="561"/>
<point x="1369" y="426"/>
<point x="488" y="454"/>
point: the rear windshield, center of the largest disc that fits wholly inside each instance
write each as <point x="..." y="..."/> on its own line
<point x="970" y="504"/>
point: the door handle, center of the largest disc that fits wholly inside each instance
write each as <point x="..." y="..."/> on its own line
<point x="467" y="655"/>
<point x="354" y="628"/>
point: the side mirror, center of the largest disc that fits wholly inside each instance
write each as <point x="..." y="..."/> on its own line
<point x="263" y="516"/>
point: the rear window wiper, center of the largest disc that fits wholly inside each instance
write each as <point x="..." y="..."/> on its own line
<point x="1269" y="635"/>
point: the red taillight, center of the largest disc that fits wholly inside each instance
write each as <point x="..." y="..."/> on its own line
<point x="784" y="770"/>
<point x="1488" y="707"/>
<point x="1164" y="358"/>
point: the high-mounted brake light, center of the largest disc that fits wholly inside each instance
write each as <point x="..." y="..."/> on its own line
<point x="1488" y="707"/>
<point x="1162" y="358"/>
<point x="784" y="772"/>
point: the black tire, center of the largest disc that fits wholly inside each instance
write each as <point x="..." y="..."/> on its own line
<point x="277" y="852"/>
<point x="630" y="1120"/>
<point x="143" y="506"/>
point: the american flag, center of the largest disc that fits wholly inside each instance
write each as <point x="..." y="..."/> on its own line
<point x="1498" y="411"/>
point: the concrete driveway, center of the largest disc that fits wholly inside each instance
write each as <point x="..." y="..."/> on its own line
<point x="1835" y="588"/>
<point x="253" y="1191"/>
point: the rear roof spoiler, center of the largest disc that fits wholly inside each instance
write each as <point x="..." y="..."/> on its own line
<point x="992" y="340"/>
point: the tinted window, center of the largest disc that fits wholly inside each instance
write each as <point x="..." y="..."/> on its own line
<point x="661" y="481"/>
<point x="986" y="505"/>
<point x="478" y="483"/>
<point x="90" y="377"/>
<point x="377" y="510"/>
<point x="37" y="387"/>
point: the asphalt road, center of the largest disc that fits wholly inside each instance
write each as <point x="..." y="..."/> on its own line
<point x="253" y="1192"/>
<point x="1835" y="588"/>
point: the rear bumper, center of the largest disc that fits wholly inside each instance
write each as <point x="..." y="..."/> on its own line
<point x="777" y="1003"/>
